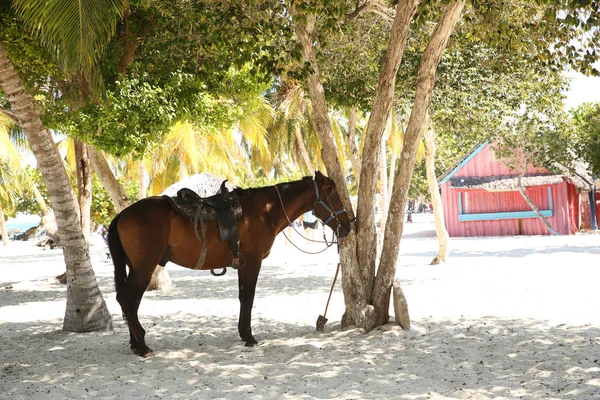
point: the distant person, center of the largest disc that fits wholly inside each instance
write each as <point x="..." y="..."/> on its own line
<point x="310" y="224"/>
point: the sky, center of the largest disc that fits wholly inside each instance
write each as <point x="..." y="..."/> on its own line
<point x="583" y="89"/>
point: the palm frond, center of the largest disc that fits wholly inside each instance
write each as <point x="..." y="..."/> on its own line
<point x="75" y="31"/>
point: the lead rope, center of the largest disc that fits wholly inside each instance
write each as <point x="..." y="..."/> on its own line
<point x="327" y="245"/>
<point x="321" y="320"/>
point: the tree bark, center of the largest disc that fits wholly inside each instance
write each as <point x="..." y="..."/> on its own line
<point x="436" y="199"/>
<point x="86" y="310"/>
<point x="84" y="187"/>
<point x="141" y="179"/>
<point x="383" y="182"/>
<point x="351" y="143"/>
<point x="425" y="83"/>
<point x="533" y="206"/>
<point x="3" y="229"/>
<point x="108" y="180"/>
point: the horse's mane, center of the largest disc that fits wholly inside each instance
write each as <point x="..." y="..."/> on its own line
<point x="243" y="192"/>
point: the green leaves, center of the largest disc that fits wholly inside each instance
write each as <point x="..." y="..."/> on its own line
<point x="75" y="31"/>
<point x="587" y="143"/>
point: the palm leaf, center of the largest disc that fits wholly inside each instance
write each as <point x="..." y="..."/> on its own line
<point x="75" y="31"/>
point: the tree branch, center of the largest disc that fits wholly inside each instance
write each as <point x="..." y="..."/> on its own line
<point x="10" y="115"/>
<point x="373" y="6"/>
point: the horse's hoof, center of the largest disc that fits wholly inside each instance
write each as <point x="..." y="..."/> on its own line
<point x="252" y="344"/>
<point x="144" y="353"/>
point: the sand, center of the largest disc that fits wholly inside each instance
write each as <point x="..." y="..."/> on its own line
<point x="506" y="318"/>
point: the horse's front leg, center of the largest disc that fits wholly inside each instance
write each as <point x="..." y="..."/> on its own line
<point x="247" y="277"/>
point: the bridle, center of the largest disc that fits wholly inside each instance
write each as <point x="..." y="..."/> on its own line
<point x="332" y="215"/>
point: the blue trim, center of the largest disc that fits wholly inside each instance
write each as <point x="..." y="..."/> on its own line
<point x="463" y="162"/>
<point x="503" y="215"/>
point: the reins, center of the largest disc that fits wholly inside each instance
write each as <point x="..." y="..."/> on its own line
<point x="327" y="244"/>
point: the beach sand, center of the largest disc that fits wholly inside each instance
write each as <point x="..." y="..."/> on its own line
<point x="506" y="318"/>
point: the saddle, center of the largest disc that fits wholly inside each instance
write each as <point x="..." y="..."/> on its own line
<point x="223" y="207"/>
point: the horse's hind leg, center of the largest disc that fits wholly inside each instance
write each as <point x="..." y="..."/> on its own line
<point x="136" y="285"/>
<point x="247" y="278"/>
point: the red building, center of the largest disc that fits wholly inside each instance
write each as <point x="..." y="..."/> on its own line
<point x="480" y="197"/>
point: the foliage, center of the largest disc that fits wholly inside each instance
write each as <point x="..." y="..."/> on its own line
<point x="418" y="184"/>
<point x="536" y="139"/>
<point x="587" y="125"/>
<point x="26" y="202"/>
<point x="33" y="63"/>
<point x="75" y="32"/>
<point x="103" y="209"/>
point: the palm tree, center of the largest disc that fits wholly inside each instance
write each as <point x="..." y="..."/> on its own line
<point x="77" y="32"/>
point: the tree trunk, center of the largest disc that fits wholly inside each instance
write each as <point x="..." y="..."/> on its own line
<point x="84" y="187"/>
<point x="302" y="148"/>
<point x="393" y="155"/>
<point x="3" y="229"/>
<point x="383" y="176"/>
<point x="356" y="286"/>
<point x="425" y="83"/>
<point x="358" y="252"/>
<point x="86" y="310"/>
<point x="108" y="180"/>
<point x="142" y="179"/>
<point x="436" y="198"/>
<point x="351" y="143"/>
<point x="533" y="206"/>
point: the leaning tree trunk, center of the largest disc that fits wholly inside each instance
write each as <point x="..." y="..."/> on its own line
<point x="302" y="148"/>
<point x="142" y="179"/>
<point x="425" y="83"/>
<point x="108" y="180"/>
<point x="3" y="229"/>
<point x="533" y="206"/>
<point x="86" y="310"/>
<point x="160" y="278"/>
<point x="84" y="187"/>
<point x="357" y="253"/>
<point x="436" y="199"/>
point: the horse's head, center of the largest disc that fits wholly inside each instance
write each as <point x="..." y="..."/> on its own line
<point x="328" y="206"/>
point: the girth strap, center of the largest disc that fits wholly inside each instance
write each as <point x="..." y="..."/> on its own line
<point x="224" y="207"/>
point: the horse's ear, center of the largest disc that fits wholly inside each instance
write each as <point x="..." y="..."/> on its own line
<point x="319" y="177"/>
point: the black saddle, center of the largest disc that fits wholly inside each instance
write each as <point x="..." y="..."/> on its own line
<point x="223" y="207"/>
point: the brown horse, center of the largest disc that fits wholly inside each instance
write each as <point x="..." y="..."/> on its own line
<point x="150" y="233"/>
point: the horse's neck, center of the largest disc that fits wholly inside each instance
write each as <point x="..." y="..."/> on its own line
<point x="296" y="198"/>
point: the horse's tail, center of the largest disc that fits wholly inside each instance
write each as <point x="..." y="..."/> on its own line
<point x="118" y="254"/>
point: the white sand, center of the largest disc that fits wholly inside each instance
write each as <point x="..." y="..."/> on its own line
<point x="507" y="318"/>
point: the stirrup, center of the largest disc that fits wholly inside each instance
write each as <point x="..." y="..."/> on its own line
<point x="213" y="273"/>
<point x="237" y="261"/>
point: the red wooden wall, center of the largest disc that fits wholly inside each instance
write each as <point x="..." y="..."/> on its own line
<point x="565" y="202"/>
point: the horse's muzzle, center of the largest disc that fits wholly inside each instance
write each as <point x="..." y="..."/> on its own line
<point x="343" y="230"/>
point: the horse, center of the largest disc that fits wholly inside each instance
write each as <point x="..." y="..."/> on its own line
<point x="150" y="233"/>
